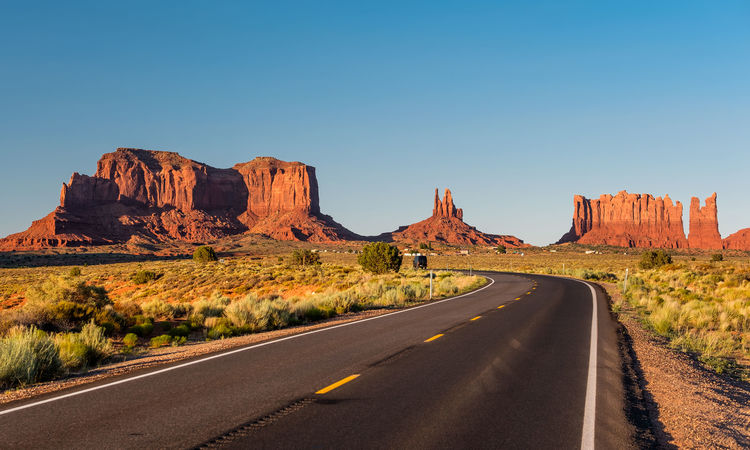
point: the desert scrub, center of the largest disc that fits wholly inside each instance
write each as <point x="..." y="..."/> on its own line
<point x="253" y="315"/>
<point x="85" y="349"/>
<point x="700" y="309"/>
<point x="27" y="355"/>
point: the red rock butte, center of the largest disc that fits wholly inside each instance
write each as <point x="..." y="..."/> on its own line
<point x="641" y="220"/>
<point x="154" y="196"/>
<point x="446" y="225"/>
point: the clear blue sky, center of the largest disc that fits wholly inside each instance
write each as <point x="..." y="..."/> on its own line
<point x="515" y="107"/>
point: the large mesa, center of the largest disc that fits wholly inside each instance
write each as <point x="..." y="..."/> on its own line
<point x="155" y="196"/>
<point x="627" y="220"/>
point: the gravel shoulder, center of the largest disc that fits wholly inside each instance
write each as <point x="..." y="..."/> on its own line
<point x="688" y="405"/>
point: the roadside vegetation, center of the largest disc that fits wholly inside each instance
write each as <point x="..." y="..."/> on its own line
<point x="66" y="320"/>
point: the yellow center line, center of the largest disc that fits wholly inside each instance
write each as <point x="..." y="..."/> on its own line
<point x="528" y="293"/>
<point x="501" y="307"/>
<point x="519" y="298"/>
<point x="434" y="337"/>
<point x="337" y="384"/>
<point x="477" y="317"/>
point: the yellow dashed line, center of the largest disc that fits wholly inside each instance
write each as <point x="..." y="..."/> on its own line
<point x="519" y="298"/>
<point x="528" y="293"/>
<point x="337" y="384"/>
<point x="477" y="317"/>
<point x="501" y="307"/>
<point x="434" y="337"/>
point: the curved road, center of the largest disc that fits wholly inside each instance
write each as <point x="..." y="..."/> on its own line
<point x="507" y="366"/>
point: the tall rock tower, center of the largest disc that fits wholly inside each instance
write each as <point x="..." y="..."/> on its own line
<point x="704" y="225"/>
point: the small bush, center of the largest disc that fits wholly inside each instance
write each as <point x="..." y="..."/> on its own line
<point x="144" y="326"/>
<point x="74" y="272"/>
<point x="304" y="257"/>
<point x="501" y="249"/>
<point x="379" y="257"/>
<point x="180" y="331"/>
<point x="158" y="309"/>
<point x="425" y="246"/>
<point x="85" y="349"/>
<point x="258" y="315"/>
<point x="27" y="355"/>
<point x="716" y="257"/>
<point x="220" y="331"/>
<point x="161" y="341"/>
<point x="204" y="254"/>
<point x="144" y="276"/>
<point x="654" y="258"/>
<point x="130" y="340"/>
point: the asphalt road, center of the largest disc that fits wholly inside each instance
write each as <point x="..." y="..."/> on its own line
<point x="508" y="366"/>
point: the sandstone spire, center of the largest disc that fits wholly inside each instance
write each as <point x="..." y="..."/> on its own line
<point x="704" y="225"/>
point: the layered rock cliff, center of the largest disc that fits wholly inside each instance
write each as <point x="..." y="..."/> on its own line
<point x="446" y="225"/>
<point x="704" y="224"/>
<point x="157" y="196"/>
<point x="627" y="220"/>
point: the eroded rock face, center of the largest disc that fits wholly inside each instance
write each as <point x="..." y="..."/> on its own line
<point x="704" y="225"/>
<point x="447" y="225"/>
<point x="738" y="241"/>
<point x="627" y="220"/>
<point x="156" y="196"/>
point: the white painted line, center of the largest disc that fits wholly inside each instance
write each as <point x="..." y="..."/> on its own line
<point x="231" y="352"/>
<point x="589" y="410"/>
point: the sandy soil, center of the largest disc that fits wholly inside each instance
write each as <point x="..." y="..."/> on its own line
<point x="690" y="406"/>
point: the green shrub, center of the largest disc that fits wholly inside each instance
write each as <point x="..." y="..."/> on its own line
<point x="85" y="349"/>
<point x="74" y="272"/>
<point x="161" y="341"/>
<point x="379" y="257"/>
<point x="501" y="249"/>
<point x="304" y="257"/>
<point x="144" y="326"/>
<point x="220" y="331"/>
<point x="180" y="331"/>
<point x="27" y="355"/>
<point x="65" y="304"/>
<point x="130" y="340"/>
<point x="425" y="246"/>
<point x="654" y="258"/>
<point x="716" y="257"/>
<point x="144" y="276"/>
<point x="204" y="254"/>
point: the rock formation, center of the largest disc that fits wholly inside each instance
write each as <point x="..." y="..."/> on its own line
<point x="446" y="225"/>
<point x="627" y="220"/>
<point x="738" y="241"/>
<point x="155" y="196"/>
<point x="704" y="225"/>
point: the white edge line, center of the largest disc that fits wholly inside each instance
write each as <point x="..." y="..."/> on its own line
<point x="589" y="411"/>
<point x="231" y="352"/>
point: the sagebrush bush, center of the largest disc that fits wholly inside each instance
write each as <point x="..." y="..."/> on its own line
<point x="85" y="349"/>
<point x="144" y="276"/>
<point x="158" y="309"/>
<point x="65" y="304"/>
<point x="258" y="315"/>
<point x="27" y="355"/>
